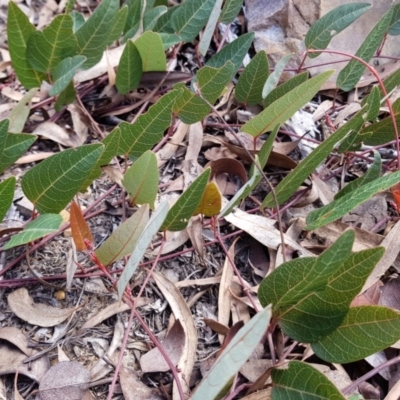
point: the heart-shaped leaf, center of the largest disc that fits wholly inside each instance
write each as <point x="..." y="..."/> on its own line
<point x="129" y="69"/>
<point x="151" y="50"/>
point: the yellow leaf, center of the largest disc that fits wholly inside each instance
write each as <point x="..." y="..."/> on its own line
<point x="211" y="201"/>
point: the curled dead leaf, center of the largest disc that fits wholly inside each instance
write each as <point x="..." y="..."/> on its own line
<point x="23" y="306"/>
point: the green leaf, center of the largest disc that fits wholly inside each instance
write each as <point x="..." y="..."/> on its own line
<point x="374" y="104"/>
<point x="345" y="204"/>
<point x="135" y="8"/>
<point x="129" y="69"/>
<point x="67" y="96"/>
<point x="373" y="172"/>
<point x="151" y="50"/>
<point x="141" y="180"/>
<point x="322" y="311"/>
<point x="188" y="20"/>
<point x="124" y="239"/>
<point x="19" y="30"/>
<point x="233" y="357"/>
<point x="286" y="87"/>
<point x="394" y="26"/>
<point x="230" y="11"/>
<point x="164" y="22"/>
<point x="212" y="81"/>
<point x="6" y="195"/>
<point x="274" y="77"/>
<point x="12" y="145"/>
<point x="189" y="107"/>
<point x="169" y="39"/>
<point x="77" y="20"/>
<point x="52" y="184"/>
<point x="47" y="48"/>
<point x="364" y="331"/>
<point x="180" y="213"/>
<point x="64" y="72"/>
<point x="251" y="82"/>
<point x="391" y="82"/>
<point x="210" y="28"/>
<point x="352" y="72"/>
<point x="119" y="25"/>
<point x="255" y="175"/>
<point x="20" y="113"/>
<point x="69" y="6"/>
<point x="284" y="108"/>
<point x="134" y="139"/>
<point x="144" y="241"/>
<point x="290" y="183"/>
<point x="234" y="52"/>
<point x="301" y="381"/>
<point x="93" y="35"/>
<point x="41" y="226"/>
<point x="380" y="132"/>
<point x="151" y="17"/>
<point x="324" y="29"/>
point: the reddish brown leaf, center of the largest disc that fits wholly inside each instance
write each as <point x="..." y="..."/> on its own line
<point x="79" y="227"/>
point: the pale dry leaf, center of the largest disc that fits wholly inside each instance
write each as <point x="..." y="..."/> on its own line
<point x="111" y="310"/>
<point x="133" y="388"/>
<point x="390" y="294"/>
<point x="394" y="392"/>
<point x="182" y="312"/>
<point x="34" y="157"/>
<point x="285" y="148"/>
<point x="348" y="111"/>
<point x="15" y="95"/>
<point x="173" y="344"/>
<point x="225" y="295"/>
<point x="195" y="232"/>
<point x="17" y="338"/>
<point x="12" y="360"/>
<point x="65" y="380"/>
<point x="72" y="264"/>
<point x="61" y="354"/>
<point x="173" y="241"/>
<point x="191" y="170"/>
<point x="325" y="193"/>
<point x="263" y="230"/>
<point x="58" y="134"/>
<point x="264" y="394"/>
<point x="239" y="310"/>
<point x="80" y="122"/>
<point x="392" y="245"/>
<point x="22" y="305"/>
<point x="308" y="198"/>
<point x="322" y="110"/>
<point x="195" y="137"/>
<point x="377" y="359"/>
<point x="200" y="282"/>
<point x="166" y="152"/>
<point x="102" y="367"/>
<point x="17" y="394"/>
<point x="253" y="369"/>
<point x="114" y="174"/>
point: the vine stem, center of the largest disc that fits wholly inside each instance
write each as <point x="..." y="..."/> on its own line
<point x="382" y="86"/>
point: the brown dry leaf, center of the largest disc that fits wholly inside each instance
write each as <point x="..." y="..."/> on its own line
<point x="58" y="134"/>
<point x="258" y="259"/>
<point x="113" y="309"/>
<point x="264" y="394"/>
<point x="17" y="338"/>
<point x="22" y="306"/>
<point x="34" y="157"/>
<point x="102" y="367"/>
<point x="347" y="111"/>
<point x="134" y="389"/>
<point x="239" y="310"/>
<point x="262" y="229"/>
<point x="285" y="148"/>
<point x="216" y="153"/>
<point x="173" y="241"/>
<point x="228" y="166"/>
<point x="394" y="393"/>
<point x="225" y="295"/>
<point x="182" y="312"/>
<point x="281" y="161"/>
<point x="114" y="174"/>
<point x="173" y="344"/>
<point x="216" y="326"/>
<point x="200" y="282"/>
<point x="322" y="109"/>
<point x="17" y="394"/>
<point x="253" y="369"/>
<point x="65" y="380"/>
<point x="370" y="297"/>
<point x="80" y="122"/>
<point x="166" y="152"/>
<point x="72" y="264"/>
<point x="392" y="245"/>
<point x="12" y="360"/>
<point x="195" y="232"/>
<point x="390" y="294"/>
<point x="326" y="195"/>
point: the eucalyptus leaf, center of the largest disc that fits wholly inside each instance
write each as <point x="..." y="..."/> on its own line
<point x="352" y="72"/>
<point x="291" y="182"/>
<point x="123" y="240"/>
<point x="142" y="244"/>
<point x="151" y="50"/>
<point x="41" y="226"/>
<point x="19" y="30"/>
<point x="151" y="17"/>
<point x="52" y="184"/>
<point x="325" y="28"/>
<point x="20" y="113"/>
<point x="251" y="81"/>
<point x="299" y="381"/>
<point x="6" y="195"/>
<point x="210" y="28"/>
<point x="394" y="27"/>
<point x="180" y="213"/>
<point x="230" y="11"/>
<point x="284" y="108"/>
<point x="233" y="357"/>
<point x="119" y="24"/>
<point x="274" y="77"/>
<point x="141" y="180"/>
<point x="67" y="96"/>
<point x="345" y="204"/>
<point x="130" y="69"/>
<point x="364" y="331"/>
